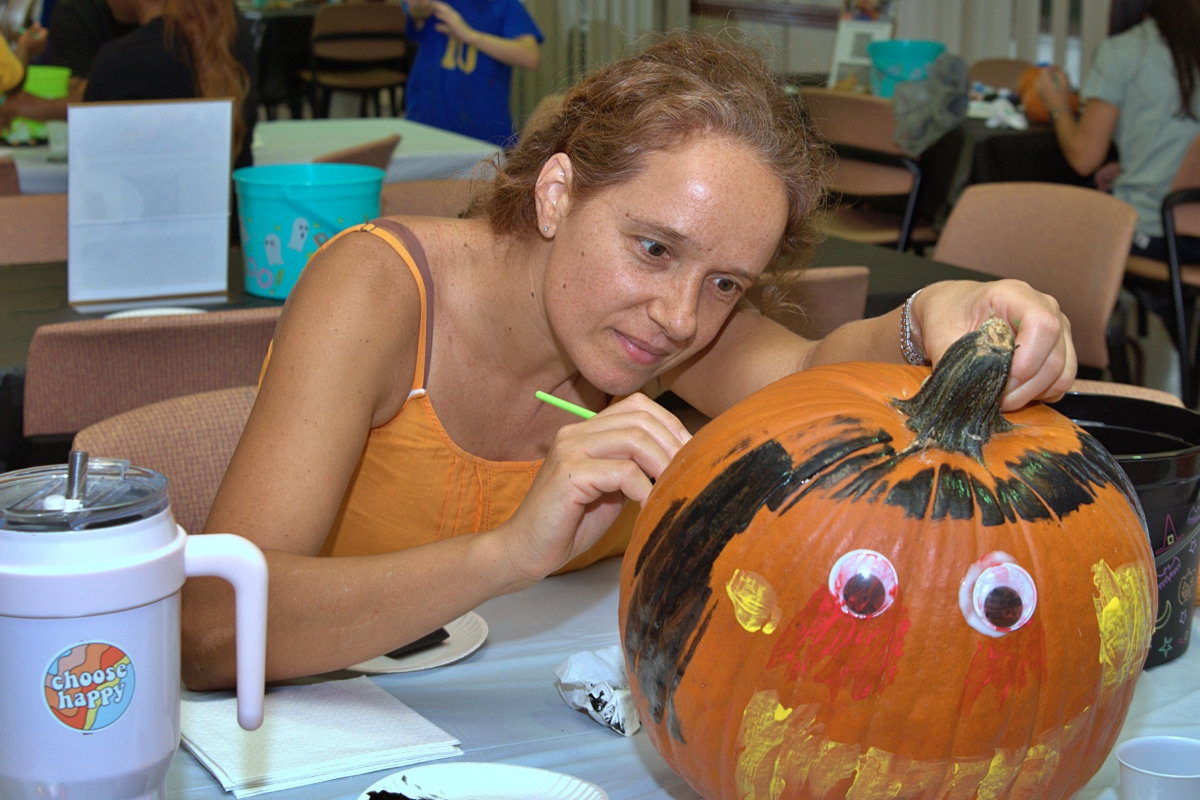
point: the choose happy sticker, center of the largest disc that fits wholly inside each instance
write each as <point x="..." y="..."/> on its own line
<point x="89" y="685"/>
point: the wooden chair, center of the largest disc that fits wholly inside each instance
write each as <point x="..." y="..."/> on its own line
<point x="870" y="164"/>
<point x="545" y="110"/>
<point x="10" y="183"/>
<point x="999" y="73"/>
<point x="79" y="373"/>
<point x="1181" y="217"/>
<point x="1125" y="390"/>
<point x="436" y="198"/>
<point x="33" y="228"/>
<point x="1066" y="241"/>
<point x="370" y="154"/>
<point x="189" y="439"/>
<point x="817" y="300"/>
<point x="359" y="48"/>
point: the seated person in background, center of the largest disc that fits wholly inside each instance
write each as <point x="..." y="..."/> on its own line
<point x="1142" y="94"/>
<point x="463" y="71"/>
<point x="396" y="427"/>
<point x="184" y="48"/>
<point x="14" y="60"/>
<point x="77" y="30"/>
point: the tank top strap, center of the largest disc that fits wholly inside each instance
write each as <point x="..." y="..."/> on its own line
<point x="408" y="247"/>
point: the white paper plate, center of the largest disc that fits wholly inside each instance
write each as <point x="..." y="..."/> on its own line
<point x="473" y="781"/>
<point x="467" y="634"/>
<point x="154" y="311"/>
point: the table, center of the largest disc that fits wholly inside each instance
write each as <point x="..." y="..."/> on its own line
<point x="1007" y="154"/>
<point x="502" y="705"/>
<point x="424" y="152"/>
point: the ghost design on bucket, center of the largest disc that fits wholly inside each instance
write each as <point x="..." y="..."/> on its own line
<point x="271" y="245"/>
<point x="299" y="234"/>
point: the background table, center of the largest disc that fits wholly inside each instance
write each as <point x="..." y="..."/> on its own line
<point x="502" y="705"/>
<point x="424" y="152"/>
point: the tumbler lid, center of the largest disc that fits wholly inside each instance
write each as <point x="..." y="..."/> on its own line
<point x="81" y="495"/>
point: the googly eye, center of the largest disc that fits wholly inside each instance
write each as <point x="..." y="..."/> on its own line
<point x="997" y="596"/>
<point x="863" y="583"/>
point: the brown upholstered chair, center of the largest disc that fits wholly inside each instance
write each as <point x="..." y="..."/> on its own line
<point x="370" y="154"/>
<point x="1125" y="390"/>
<point x="436" y="198"/>
<point x="999" y="73"/>
<point x="356" y="47"/>
<point x="1066" y="241"/>
<point x="189" y="439"/>
<point x="869" y="164"/>
<point x="79" y="373"/>
<point x="1181" y="217"/>
<point x="817" y="300"/>
<point x="10" y="184"/>
<point x="33" y="228"/>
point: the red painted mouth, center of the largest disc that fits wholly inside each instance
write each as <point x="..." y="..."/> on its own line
<point x="639" y="351"/>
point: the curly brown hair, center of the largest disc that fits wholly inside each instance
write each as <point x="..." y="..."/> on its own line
<point x="682" y="86"/>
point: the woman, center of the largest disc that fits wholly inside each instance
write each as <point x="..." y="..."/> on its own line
<point x="182" y="49"/>
<point x="609" y="257"/>
<point x="1141" y="94"/>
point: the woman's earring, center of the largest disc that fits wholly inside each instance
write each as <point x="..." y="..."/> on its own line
<point x="545" y="229"/>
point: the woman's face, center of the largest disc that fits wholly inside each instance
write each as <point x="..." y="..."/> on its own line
<point x="643" y="275"/>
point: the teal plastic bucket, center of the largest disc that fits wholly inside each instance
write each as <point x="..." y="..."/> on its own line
<point x="900" y="60"/>
<point x="287" y="211"/>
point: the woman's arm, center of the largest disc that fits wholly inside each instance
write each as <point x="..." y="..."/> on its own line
<point x="751" y="351"/>
<point x="1085" y="141"/>
<point x="342" y="362"/>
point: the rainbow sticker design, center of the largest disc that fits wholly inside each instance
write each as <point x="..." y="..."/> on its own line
<point x="89" y="686"/>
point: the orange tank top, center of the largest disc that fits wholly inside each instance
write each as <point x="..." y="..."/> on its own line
<point x="412" y="484"/>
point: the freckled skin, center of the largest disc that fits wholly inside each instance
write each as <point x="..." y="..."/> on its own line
<point x="716" y="193"/>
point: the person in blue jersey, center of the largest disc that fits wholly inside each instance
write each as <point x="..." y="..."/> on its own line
<point x="463" y="70"/>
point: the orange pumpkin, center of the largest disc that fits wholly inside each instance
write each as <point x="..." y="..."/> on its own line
<point x="1031" y="101"/>
<point x="856" y="585"/>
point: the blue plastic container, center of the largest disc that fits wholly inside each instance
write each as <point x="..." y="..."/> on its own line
<point x="900" y="60"/>
<point x="287" y="211"/>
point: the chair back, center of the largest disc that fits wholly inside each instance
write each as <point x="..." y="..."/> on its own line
<point x="436" y="198"/>
<point x="359" y="32"/>
<point x="545" y="110"/>
<point x="371" y="154"/>
<point x="1187" y="215"/>
<point x="1066" y="241"/>
<point x="999" y="73"/>
<point x="10" y="183"/>
<point x="33" y="228"/>
<point x="189" y="439"/>
<point x="818" y="300"/>
<point x="854" y="120"/>
<point x="79" y="373"/>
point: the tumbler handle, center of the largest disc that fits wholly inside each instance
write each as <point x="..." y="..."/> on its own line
<point x="237" y="560"/>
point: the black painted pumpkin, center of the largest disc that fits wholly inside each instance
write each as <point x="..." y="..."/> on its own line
<point x="852" y="585"/>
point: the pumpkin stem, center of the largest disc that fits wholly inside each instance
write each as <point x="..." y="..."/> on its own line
<point x="958" y="407"/>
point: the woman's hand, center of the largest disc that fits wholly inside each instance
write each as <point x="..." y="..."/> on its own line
<point x="1055" y="88"/>
<point x="589" y="473"/>
<point x="1044" y="364"/>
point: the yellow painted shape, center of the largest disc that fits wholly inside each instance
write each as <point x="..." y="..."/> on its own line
<point x="1123" y="615"/>
<point x="755" y="603"/>
<point x="785" y="750"/>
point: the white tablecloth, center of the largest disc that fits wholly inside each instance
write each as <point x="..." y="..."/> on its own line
<point x="423" y="153"/>
<point x="501" y="702"/>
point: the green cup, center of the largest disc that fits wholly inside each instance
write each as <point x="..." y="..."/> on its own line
<point x="41" y="81"/>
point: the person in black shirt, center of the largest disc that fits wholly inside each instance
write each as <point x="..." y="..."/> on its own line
<point x="182" y="49"/>
<point x="77" y="30"/>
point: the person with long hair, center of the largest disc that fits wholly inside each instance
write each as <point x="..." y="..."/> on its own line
<point x="397" y="469"/>
<point x="1141" y="94"/>
<point x="181" y="49"/>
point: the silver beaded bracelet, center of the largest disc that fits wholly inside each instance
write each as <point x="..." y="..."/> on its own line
<point x="911" y="354"/>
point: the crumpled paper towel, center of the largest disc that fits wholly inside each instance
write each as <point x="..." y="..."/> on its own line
<point x="594" y="681"/>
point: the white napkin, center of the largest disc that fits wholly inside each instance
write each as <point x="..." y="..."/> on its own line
<point x="309" y="734"/>
<point x="594" y="681"/>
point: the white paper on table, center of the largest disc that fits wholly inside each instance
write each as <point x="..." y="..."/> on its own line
<point x="309" y="734"/>
<point x="148" y="207"/>
<point x="594" y="681"/>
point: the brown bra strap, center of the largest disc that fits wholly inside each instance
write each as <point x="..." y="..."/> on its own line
<point x="406" y="245"/>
